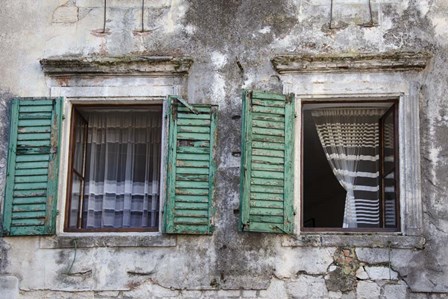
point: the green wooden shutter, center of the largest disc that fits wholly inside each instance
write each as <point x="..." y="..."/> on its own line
<point x="32" y="175"/>
<point x="191" y="168"/>
<point x="267" y="162"/>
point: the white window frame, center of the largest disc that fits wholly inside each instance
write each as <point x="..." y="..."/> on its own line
<point x="368" y="87"/>
<point x="106" y="95"/>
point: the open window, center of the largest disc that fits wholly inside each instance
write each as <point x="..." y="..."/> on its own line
<point x="350" y="166"/>
<point x="114" y="176"/>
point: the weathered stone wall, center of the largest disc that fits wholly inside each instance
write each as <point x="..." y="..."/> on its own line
<point x="231" y="43"/>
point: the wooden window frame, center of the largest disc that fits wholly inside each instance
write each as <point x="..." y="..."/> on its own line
<point x="70" y="170"/>
<point x="394" y="109"/>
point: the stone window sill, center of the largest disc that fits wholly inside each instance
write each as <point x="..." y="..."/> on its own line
<point x="90" y="240"/>
<point x="361" y="240"/>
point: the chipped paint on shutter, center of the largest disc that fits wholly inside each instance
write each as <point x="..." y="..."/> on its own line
<point x="191" y="168"/>
<point x="267" y="182"/>
<point x="33" y="164"/>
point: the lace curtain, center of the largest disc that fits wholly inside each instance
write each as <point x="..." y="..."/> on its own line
<point x="123" y="170"/>
<point x="350" y="139"/>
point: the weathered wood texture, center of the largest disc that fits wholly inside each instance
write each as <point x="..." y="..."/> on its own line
<point x="31" y="190"/>
<point x="191" y="168"/>
<point x="267" y="163"/>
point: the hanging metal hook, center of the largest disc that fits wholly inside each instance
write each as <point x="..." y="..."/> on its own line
<point x="331" y="15"/>
<point x="143" y="15"/>
<point x="104" y="17"/>
<point x="370" y="11"/>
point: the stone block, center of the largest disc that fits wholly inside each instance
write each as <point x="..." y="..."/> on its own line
<point x="368" y="290"/>
<point x="396" y="291"/>
<point x="334" y="295"/>
<point x="362" y="274"/>
<point x="381" y="272"/>
<point x="249" y="294"/>
<point x="9" y="286"/>
<point x="65" y="14"/>
<point x="228" y="293"/>
<point x="276" y="290"/>
<point x="307" y="286"/>
<point x="349" y="295"/>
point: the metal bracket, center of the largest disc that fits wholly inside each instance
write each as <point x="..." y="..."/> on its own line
<point x="185" y="103"/>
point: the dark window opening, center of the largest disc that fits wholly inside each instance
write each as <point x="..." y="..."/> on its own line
<point x="350" y="166"/>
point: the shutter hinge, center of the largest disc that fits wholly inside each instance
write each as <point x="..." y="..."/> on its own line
<point x="249" y="95"/>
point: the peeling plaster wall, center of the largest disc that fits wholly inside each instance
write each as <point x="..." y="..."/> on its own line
<point x="230" y="42"/>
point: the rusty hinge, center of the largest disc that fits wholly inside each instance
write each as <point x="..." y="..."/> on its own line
<point x="289" y="98"/>
<point x="249" y="95"/>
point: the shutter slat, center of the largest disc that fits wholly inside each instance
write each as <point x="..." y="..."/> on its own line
<point x="271" y="110"/>
<point x="267" y="178"/>
<point x="191" y="206"/>
<point x="32" y="158"/>
<point x="267" y="138"/>
<point x="266" y="204"/>
<point x="29" y="207"/>
<point x="191" y="129"/>
<point x="267" y="174"/>
<point x="34" y="136"/>
<point x="31" y="179"/>
<point x="194" y="136"/>
<point x="187" y="191"/>
<point x="30" y="198"/>
<point x="267" y="189"/>
<point x="266" y="196"/>
<point x="191" y="198"/>
<point x="266" y="182"/>
<point x="192" y="177"/>
<point x="268" y="96"/>
<point x="266" y="219"/>
<point x="268" y="124"/>
<point x="198" y="164"/>
<point x="268" y="153"/>
<point x="191" y="167"/>
<point x="192" y="116"/>
<point x="35" y="109"/>
<point x="266" y="211"/>
<point x="268" y="103"/>
<point x="191" y="170"/>
<point x="34" y="122"/>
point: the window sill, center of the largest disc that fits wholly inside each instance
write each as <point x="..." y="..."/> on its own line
<point x="90" y="240"/>
<point x="371" y="240"/>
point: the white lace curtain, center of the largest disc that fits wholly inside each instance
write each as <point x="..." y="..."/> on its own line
<point x="350" y="139"/>
<point x="123" y="170"/>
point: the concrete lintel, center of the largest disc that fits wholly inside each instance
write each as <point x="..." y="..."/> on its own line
<point x="91" y="241"/>
<point x="118" y="65"/>
<point x="367" y="62"/>
<point x="368" y="241"/>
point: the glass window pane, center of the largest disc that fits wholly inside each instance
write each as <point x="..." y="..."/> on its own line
<point x="389" y="143"/>
<point x="75" y="199"/>
<point x="390" y="201"/>
<point x="79" y="144"/>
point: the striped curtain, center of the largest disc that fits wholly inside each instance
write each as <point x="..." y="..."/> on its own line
<point x="350" y="139"/>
